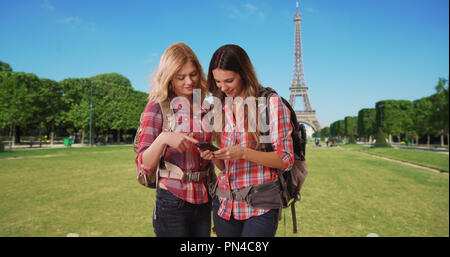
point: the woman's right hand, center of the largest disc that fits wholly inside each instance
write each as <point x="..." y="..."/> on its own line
<point x="180" y="141"/>
<point x="206" y="155"/>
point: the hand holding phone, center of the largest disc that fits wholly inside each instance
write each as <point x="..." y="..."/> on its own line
<point x="206" y="146"/>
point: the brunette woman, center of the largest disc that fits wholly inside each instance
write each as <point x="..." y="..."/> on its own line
<point x="231" y="76"/>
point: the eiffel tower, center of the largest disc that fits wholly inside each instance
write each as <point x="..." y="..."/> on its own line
<point x="299" y="88"/>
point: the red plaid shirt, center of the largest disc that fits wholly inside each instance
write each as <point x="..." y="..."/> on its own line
<point x="239" y="174"/>
<point x="192" y="192"/>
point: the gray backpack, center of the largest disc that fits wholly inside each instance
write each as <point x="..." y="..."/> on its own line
<point x="290" y="181"/>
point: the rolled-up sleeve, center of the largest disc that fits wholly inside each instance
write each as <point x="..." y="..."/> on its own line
<point x="151" y="127"/>
<point x="280" y="130"/>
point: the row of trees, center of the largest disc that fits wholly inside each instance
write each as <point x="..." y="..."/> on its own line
<point x="424" y="117"/>
<point x="43" y="106"/>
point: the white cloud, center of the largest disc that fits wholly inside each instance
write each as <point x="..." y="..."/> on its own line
<point x="250" y="7"/>
<point x="151" y="59"/>
<point x="46" y="5"/>
<point x="233" y="12"/>
<point x="261" y="15"/>
<point x="73" y="21"/>
<point x="77" y="23"/>
<point x="247" y="10"/>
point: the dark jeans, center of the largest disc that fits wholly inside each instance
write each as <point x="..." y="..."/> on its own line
<point x="174" y="217"/>
<point x="259" y="226"/>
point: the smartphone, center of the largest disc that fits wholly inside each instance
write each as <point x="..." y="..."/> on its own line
<point x="206" y="146"/>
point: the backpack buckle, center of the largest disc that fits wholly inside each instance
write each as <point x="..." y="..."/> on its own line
<point x="233" y="195"/>
<point x="191" y="176"/>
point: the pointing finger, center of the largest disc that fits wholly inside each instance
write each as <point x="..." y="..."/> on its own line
<point x="191" y="139"/>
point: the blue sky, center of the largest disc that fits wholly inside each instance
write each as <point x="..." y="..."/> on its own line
<point x="356" y="52"/>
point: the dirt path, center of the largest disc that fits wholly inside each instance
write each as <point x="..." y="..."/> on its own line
<point x="34" y="156"/>
<point x="406" y="163"/>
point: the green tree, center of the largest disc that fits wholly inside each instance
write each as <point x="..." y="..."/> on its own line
<point x="322" y="133"/>
<point x="5" y="67"/>
<point x="366" y="122"/>
<point x="350" y="127"/>
<point x="50" y="104"/>
<point x="135" y="108"/>
<point x="440" y="101"/>
<point x="75" y="100"/>
<point x="110" y="110"/>
<point x="423" y="123"/>
<point x="115" y="107"/>
<point x="18" y="100"/>
<point x="118" y="107"/>
<point x="341" y="128"/>
<point x="326" y="132"/>
<point x="395" y="117"/>
<point x="112" y="78"/>
<point x="334" y="129"/>
<point x="337" y="128"/>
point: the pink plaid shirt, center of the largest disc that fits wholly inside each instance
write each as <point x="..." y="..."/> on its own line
<point x="239" y="174"/>
<point x="192" y="192"/>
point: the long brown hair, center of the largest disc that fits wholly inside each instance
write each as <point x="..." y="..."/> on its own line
<point x="234" y="58"/>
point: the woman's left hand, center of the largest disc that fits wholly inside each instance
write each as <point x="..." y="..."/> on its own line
<point x="235" y="152"/>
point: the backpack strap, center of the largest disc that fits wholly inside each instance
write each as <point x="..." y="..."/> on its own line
<point x="266" y="92"/>
<point x="168" y="122"/>
<point x="168" y="118"/>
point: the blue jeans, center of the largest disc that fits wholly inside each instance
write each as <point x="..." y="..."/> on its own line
<point x="259" y="226"/>
<point x="174" y="217"/>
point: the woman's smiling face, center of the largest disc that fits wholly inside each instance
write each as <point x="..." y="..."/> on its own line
<point x="185" y="80"/>
<point x="229" y="82"/>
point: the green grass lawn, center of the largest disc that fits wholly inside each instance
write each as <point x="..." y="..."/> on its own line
<point x="424" y="158"/>
<point x="93" y="192"/>
<point x="353" y="194"/>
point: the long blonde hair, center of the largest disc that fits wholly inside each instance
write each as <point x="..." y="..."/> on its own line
<point x="173" y="58"/>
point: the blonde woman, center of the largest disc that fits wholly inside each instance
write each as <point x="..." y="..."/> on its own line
<point x="182" y="207"/>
